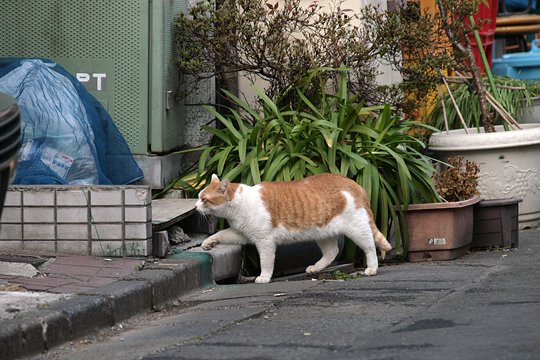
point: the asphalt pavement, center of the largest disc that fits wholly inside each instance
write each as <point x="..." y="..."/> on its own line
<point x="484" y="305"/>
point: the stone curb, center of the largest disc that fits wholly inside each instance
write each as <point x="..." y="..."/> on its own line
<point x="139" y="292"/>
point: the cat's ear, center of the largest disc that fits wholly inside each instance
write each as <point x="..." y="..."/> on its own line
<point x="224" y="186"/>
<point x="215" y="178"/>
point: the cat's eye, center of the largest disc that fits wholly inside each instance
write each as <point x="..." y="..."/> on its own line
<point x="205" y="200"/>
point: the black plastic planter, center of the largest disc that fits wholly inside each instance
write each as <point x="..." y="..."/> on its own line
<point x="496" y="223"/>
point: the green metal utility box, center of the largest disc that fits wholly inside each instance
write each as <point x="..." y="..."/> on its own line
<point x="122" y="51"/>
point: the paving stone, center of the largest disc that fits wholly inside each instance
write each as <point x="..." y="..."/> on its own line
<point x="17" y="269"/>
<point x="35" y="287"/>
<point x="70" y="289"/>
<point x="97" y="281"/>
<point x="7" y="277"/>
<point x="113" y="272"/>
<point x="76" y="278"/>
<point x="80" y="261"/>
<point x="48" y="281"/>
<point x="72" y="269"/>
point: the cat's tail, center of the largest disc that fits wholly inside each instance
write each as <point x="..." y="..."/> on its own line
<point x="380" y="240"/>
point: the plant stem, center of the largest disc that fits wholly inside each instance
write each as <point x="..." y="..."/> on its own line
<point x="485" y="62"/>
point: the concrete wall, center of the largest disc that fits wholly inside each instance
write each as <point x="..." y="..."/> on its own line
<point x="96" y="220"/>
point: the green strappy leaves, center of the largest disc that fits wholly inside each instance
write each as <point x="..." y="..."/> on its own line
<point x="326" y="131"/>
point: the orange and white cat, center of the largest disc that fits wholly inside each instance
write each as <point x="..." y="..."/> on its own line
<point x="317" y="208"/>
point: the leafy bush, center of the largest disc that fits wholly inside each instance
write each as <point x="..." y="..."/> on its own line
<point x="458" y="181"/>
<point x="327" y="132"/>
<point x="281" y="42"/>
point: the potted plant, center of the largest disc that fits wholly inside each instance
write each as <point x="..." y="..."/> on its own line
<point x="444" y="231"/>
<point x="507" y="153"/>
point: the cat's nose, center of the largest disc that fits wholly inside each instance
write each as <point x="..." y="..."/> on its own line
<point x="200" y="207"/>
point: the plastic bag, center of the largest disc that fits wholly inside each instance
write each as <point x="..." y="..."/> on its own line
<point x="68" y="137"/>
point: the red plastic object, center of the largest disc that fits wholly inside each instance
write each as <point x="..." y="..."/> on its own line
<point x="486" y="31"/>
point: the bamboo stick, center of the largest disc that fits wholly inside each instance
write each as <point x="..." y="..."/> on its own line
<point x="445" y="117"/>
<point x="501" y="110"/>
<point x="455" y="105"/>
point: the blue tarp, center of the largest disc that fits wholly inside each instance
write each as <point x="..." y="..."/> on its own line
<point x="68" y="136"/>
<point x="519" y="5"/>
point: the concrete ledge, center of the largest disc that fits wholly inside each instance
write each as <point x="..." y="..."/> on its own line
<point x="56" y="327"/>
<point x="20" y="337"/>
<point x="226" y="260"/>
<point x="160" y="284"/>
<point x="127" y="298"/>
<point x="85" y="314"/>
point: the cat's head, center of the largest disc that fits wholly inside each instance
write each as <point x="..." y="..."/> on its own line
<point x="213" y="198"/>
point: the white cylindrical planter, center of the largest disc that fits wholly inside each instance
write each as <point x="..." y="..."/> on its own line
<point x="531" y="115"/>
<point x="509" y="164"/>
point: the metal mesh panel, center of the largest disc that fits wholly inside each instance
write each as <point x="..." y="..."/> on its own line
<point x="173" y="130"/>
<point x="89" y="36"/>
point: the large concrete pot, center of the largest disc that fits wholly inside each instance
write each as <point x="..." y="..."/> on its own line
<point x="509" y="164"/>
<point x="531" y="115"/>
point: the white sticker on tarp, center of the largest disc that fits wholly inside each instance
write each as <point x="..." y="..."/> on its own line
<point x="57" y="161"/>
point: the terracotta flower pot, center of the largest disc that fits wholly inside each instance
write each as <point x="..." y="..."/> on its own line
<point x="440" y="231"/>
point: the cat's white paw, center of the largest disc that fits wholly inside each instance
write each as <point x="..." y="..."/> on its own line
<point x="262" y="280"/>
<point x="312" y="269"/>
<point x="209" y="244"/>
<point x="370" y="272"/>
